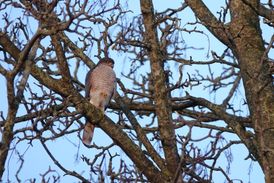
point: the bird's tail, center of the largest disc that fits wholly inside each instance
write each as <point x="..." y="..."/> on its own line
<point x="88" y="133"/>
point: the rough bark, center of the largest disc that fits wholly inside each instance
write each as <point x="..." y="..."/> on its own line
<point x="243" y="36"/>
<point x="257" y="79"/>
<point x="15" y="96"/>
<point x="83" y="106"/>
<point x="150" y="37"/>
<point x="7" y="135"/>
<point x="161" y="97"/>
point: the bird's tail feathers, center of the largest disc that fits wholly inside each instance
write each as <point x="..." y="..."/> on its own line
<point x="88" y="133"/>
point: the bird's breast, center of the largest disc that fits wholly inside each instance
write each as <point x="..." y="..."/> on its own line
<point x="103" y="79"/>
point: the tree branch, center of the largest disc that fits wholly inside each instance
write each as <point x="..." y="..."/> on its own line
<point x="209" y="20"/>
<point x="163" y="111"/>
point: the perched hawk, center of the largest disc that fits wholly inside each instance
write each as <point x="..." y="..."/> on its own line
<point x="100" y="87"/>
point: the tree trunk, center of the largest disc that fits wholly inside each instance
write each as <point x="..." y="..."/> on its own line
<point x="161" y="97"/>
<point x="244" y="37"/>
<point x="251" y="54"/>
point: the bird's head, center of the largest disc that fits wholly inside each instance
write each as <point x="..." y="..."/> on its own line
<point x="107" y="61"/>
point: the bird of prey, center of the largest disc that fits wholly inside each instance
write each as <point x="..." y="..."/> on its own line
<point x="100" y="85"/>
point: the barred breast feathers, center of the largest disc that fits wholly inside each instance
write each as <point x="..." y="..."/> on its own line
<point x="107" y="78"/>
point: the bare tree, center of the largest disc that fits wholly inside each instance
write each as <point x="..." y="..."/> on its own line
<point x="46" y="47"/>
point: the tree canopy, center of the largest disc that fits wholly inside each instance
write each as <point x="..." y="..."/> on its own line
<point x="195" y="80"/>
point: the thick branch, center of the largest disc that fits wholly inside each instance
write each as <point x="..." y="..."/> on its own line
<point x="209" y="20"/>
<point x="95" y="115"/>
<point x="141" y="134"/>
<point x="14" y="98"/>
<point x="262" y="11"/>
<point x="239" y="129"/>
<point x="163" y="111"/>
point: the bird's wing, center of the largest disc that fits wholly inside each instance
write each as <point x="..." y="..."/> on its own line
<point x="88" y="82"/>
